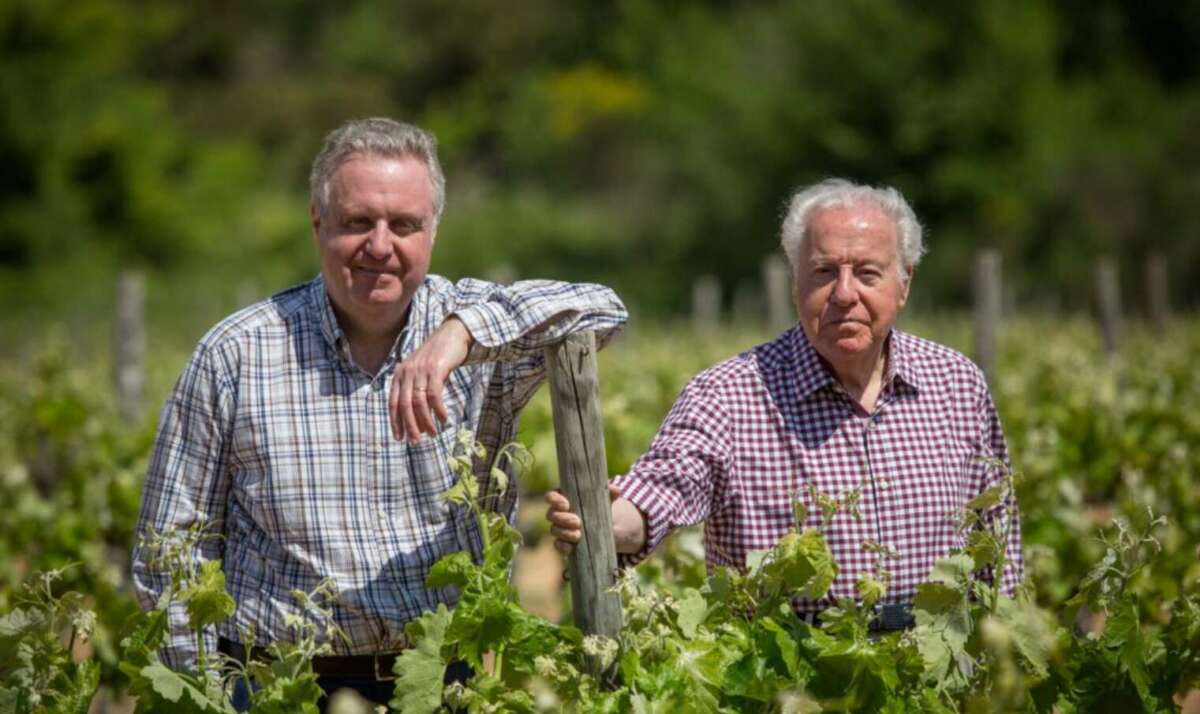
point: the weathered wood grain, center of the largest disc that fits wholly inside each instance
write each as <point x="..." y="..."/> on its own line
<point x="583" y="474"/>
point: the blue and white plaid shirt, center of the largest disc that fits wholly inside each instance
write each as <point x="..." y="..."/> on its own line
<point x="281" y="444"/>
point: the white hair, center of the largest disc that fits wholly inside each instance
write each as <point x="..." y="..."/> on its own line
<point x="386" y="138"/>
<point x="835" y="192"/>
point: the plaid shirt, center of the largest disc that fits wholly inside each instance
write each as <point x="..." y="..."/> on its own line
<point x="750" y="434"/>
<point x="280" y="443"/>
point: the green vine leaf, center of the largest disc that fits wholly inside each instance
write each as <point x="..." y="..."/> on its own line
<point x="205" y="597"/>
<point x="421" y="669"/>
<point x="690" y="612"/>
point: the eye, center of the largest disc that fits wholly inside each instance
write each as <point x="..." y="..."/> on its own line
<point x="358" y="224"/>
<point x="405" y="226"/>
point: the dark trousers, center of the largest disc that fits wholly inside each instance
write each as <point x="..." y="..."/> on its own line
<point x="369" y="688"/>
<point x="378" y="692"/>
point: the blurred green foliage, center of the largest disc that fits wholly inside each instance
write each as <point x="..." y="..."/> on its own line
<point x="635" y="143"/>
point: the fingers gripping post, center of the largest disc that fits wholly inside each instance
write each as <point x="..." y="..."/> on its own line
<point x="583" y="473"/>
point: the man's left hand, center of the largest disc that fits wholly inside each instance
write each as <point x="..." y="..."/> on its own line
<point x="417" y="385"/>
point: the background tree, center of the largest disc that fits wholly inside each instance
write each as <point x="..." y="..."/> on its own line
<point x="638" y="143"/>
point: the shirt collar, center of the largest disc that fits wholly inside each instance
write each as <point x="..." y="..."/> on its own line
<point x="330" y="330"/>
<point x="812" y="374"/>
<point x="901" y="363"/>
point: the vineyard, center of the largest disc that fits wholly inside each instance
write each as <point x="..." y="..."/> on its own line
<point x="1105" y="453"/>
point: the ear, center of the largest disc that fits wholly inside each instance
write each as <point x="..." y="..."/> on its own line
<point x="314" y="215"/>
<point x="906" y="283"/>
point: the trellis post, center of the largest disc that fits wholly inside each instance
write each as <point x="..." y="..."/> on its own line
<point x="583" y="474"/>
<point x="129" y="348"/>
<point x="706" y="303"/>
<point x="1157" y="292"/>
<point x="777" y="281"/>
<point x="987" y="310"/>
<point x="1108" y="305"/>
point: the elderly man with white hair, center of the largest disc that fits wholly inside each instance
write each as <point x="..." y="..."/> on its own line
<point x="840" y="401"/>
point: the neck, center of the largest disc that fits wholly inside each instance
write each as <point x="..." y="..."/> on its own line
<point x="859" y="373"/>
<point x="371" y="337"/>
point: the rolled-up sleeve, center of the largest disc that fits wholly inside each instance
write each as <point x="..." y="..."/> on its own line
<point x="510" y="322"/>
<point x="187" y="484"/>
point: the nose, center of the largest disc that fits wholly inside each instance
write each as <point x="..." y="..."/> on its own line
<point x="845" y="293"/>
<point x="378" y="246"/>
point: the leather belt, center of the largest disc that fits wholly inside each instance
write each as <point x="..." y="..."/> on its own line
<point x="373" y="666"/>
<point x="888" y="618"/>
<point x="893" y="616"/>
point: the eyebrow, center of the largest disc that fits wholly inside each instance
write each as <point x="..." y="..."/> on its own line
<point x="823" y="260"/>
<point x="355" y="212"/>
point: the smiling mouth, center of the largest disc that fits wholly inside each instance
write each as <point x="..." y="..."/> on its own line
<point x="370" y="271"/>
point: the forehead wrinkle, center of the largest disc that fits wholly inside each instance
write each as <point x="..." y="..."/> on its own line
<point x="380" y="180"/>
<point x="375" y="204"/>
<point x="855" y="244"/>
<point x="856" y="251"/>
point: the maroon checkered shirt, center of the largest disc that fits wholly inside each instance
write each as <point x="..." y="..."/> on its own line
<point x="750" y="434"/>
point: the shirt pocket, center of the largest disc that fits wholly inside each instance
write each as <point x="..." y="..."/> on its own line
<point x="429" y="464"/>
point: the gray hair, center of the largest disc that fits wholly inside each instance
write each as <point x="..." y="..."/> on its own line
<point x="380" y="137"/>
<point x="841" y="192"/>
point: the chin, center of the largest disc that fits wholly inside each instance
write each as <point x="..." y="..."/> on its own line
<point x="384" y="299"/>
<point x="370" y="296"/>
<point x="849" y="346"/>
<point x="855" y="348"/>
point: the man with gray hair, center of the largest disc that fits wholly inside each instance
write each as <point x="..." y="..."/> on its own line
<point x="844" y="401"/>
<point x="278" y="436"/>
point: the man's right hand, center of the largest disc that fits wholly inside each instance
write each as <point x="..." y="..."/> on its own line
<point x="416" y="397"/>
<point x="629" y="526"/>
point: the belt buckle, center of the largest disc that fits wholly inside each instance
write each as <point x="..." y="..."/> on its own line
<point x="375" y="666"/>
<point x="892" y="616"/>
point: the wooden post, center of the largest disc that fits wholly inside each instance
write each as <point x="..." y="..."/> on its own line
<point x="129" y="344"/>
<point x="777" y="284"/>
<point x="1158" y="300"/>
<point x="501" y="274"/>
<point x="988" y="308"/>
<point x="706" y="303"/>
<point x="748" y="307"/>
<point x="247" y="293"/>
<point x="1108" y="305"/>
<point x="583" y="474"/>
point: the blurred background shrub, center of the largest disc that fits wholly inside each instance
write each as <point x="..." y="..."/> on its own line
<point x="635" y="143"/>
